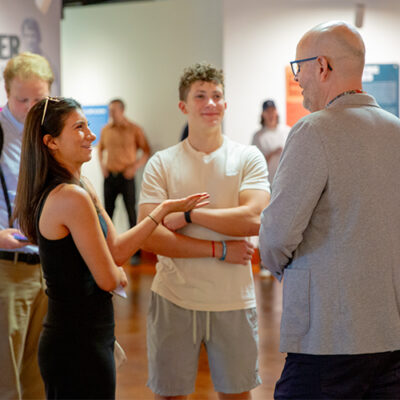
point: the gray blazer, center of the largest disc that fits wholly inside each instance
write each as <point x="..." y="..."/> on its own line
<point x="332" y="230"/>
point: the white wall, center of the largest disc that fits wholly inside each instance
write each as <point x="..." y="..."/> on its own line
<point x="137" y="51"/>
<point x="260" y="39"/>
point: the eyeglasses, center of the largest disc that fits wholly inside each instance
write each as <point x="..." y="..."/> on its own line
<point x="296" y="64"/>
<point x="55" y="99"/>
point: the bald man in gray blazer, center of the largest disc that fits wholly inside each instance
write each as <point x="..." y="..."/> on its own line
<point x="332" y="230"/>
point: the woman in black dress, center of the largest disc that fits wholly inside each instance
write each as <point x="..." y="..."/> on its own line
<point x="79" y="249"/>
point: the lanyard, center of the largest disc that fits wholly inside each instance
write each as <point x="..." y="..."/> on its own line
<point x="354" y="91"/>
<point x="3" y="182"/>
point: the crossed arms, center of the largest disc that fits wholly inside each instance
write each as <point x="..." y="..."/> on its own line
<point x="243" y="220"/>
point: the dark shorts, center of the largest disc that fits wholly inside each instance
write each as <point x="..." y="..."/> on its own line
<point x="361" y="376"/>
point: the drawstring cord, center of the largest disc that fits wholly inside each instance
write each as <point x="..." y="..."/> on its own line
<point x="194" y="327"/>
<point x="208" y="326"/>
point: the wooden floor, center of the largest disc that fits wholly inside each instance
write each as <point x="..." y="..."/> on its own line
<point x="131" y="334"/>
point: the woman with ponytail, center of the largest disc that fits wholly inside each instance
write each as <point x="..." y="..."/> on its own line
<point x="79" y="249"/>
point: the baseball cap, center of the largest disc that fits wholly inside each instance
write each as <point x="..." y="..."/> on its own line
<point x="267" y="104"/>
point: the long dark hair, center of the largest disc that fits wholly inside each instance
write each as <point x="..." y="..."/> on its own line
<point x="39" y="171"/>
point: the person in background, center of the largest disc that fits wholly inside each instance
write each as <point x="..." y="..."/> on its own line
<point x="80" y="251"/>
<point x="120" y="143"/>
<point x="203" y="291"/>
<point x="332" y="230"/>
<point x="270" y="139"/>
<point x="23" y="304"/>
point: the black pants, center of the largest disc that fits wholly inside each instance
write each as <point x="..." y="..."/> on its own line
<point x="116" y="184"/>
<point x="361" y="376"/>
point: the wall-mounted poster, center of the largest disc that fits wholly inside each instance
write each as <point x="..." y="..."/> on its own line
<point x="294" y="99"/>
<point x="382" y="82"/>
<point x="24" y="26"/>
<point x="97" y="117"/>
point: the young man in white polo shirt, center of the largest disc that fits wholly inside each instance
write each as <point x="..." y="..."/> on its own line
<point x="203" y="291"/>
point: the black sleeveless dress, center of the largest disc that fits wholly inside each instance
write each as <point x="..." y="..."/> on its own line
<point x="76" y="347"/>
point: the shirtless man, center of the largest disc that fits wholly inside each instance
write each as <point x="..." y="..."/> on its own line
<point x="118" y="147"/>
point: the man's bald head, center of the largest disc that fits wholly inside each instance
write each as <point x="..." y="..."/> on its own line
<point x="332" y="57"/>
<point x="339" y="42"/>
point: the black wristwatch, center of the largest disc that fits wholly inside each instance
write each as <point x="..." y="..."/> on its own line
<point x="187" y="216"/>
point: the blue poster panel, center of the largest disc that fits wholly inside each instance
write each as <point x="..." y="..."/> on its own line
<point x="97" y="117"/>
<point x="382" y="81"/>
